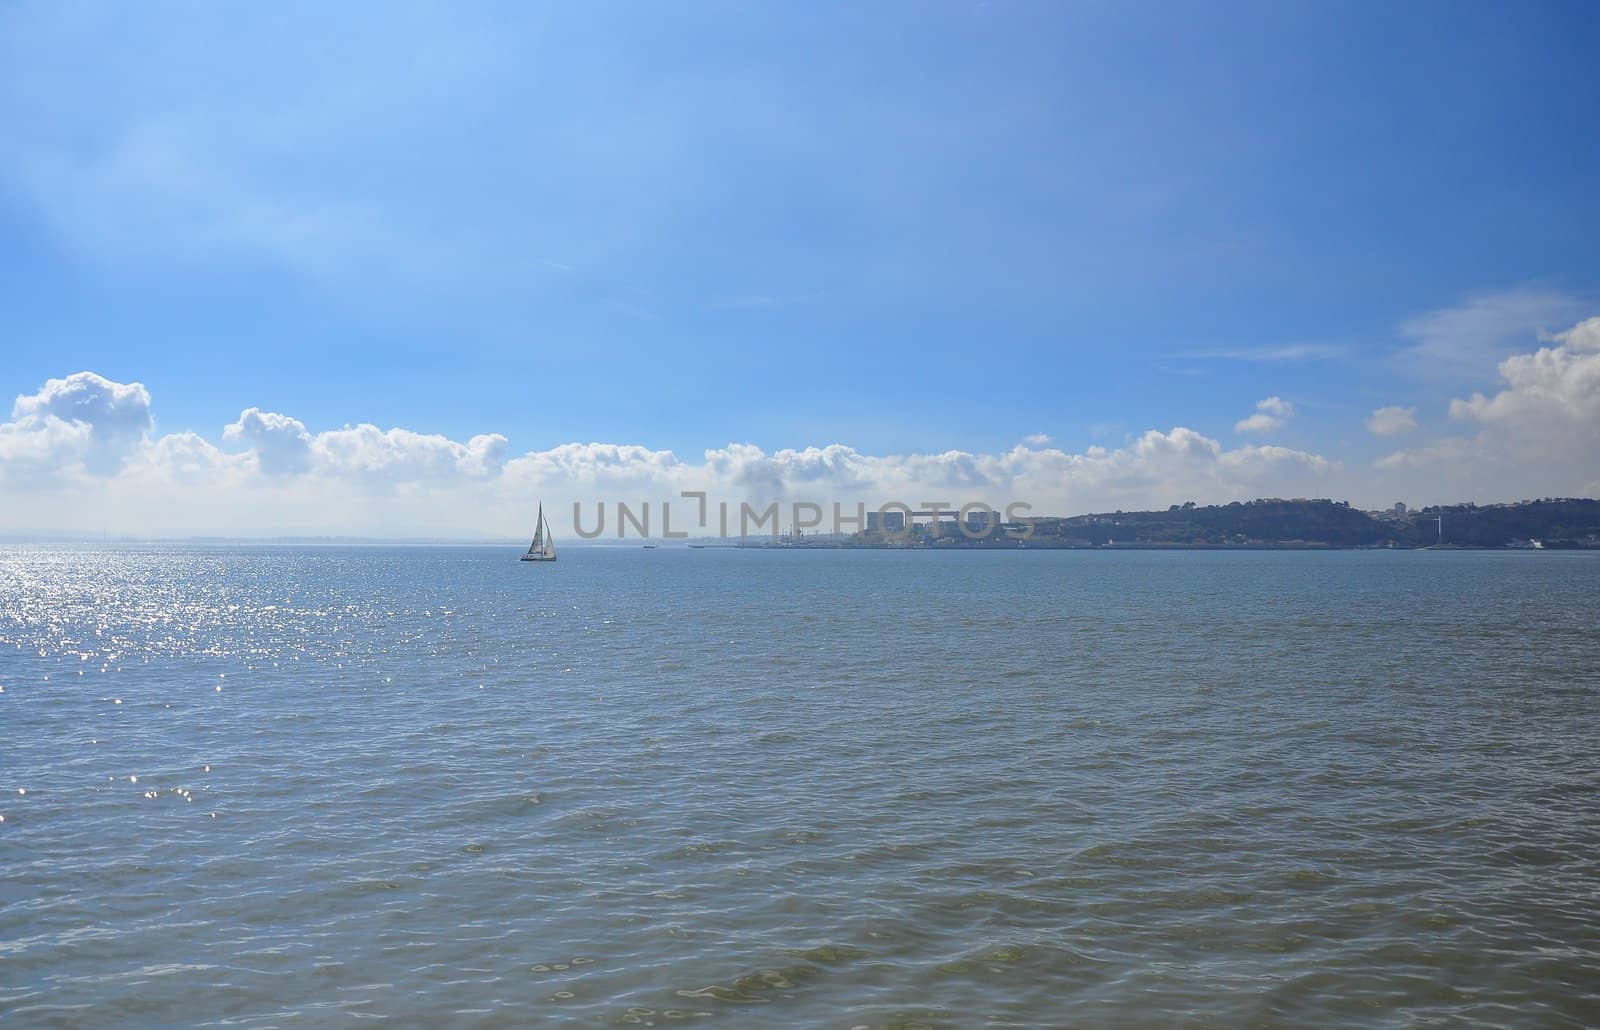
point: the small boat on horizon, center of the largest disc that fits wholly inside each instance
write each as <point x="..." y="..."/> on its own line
<point x="543" y="547"/>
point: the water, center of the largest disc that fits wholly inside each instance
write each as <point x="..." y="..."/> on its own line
<point x="810" y="788"/>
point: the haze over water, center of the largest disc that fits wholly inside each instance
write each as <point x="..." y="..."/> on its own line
<point x="831" y="788"/>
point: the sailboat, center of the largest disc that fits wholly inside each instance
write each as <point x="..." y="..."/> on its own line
<point x="543" y="547"/>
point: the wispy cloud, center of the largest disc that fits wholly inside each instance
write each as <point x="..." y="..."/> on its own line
<point x="1283" y="352"/>
<point x="765" y="300"/>
<point x="1468" y="340"/>
<point x="635" y="311"/>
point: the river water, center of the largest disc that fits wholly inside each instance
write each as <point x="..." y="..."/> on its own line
<point x="818" y="788"/>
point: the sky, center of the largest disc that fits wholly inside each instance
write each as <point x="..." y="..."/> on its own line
<point x="410" y="269"/>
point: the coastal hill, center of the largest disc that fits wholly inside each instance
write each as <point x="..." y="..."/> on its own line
<point x="1551" y="522"/>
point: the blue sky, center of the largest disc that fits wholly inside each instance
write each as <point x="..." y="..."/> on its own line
<point x="906" y="228"/>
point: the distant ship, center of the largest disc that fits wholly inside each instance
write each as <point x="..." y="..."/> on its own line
<point x="543" y="547"/>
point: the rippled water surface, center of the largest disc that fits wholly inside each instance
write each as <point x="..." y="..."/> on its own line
<point x="271" y="785"/>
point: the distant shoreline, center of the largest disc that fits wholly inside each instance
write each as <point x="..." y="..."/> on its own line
<point x="1136" y="547"/>
<point x="1269" y="524"/>
<point x="264" y="543"/>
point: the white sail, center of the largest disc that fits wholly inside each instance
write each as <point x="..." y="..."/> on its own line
<point x="537" y="547"/>
<point x="543" y="547"/>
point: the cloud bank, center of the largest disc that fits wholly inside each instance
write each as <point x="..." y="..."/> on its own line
<point x="82" y="454"/>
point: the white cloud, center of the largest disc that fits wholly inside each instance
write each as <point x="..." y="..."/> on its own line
<point x="1036" y="439"/>
<point x="80" y="453"/>
<point x="1538" y="435"/>
<point x="187" y="458"/>
<point x="1466" y="341"/>
<point x="1449" y="449"/>
<point x="599" y="465"/>
<point x="34" y="447"/>
<point x="117" y="409"/>
<point x="1270" y="416"/>
<point x="83" y="418"/>
<point x="1258" y="423"/>
<point x="1147" y="471"/>
<point x="374" y="454"/>
<point x="1553" y="384"/>
<point x="282" y="445"/>
<point x="1392" y="420"/>
<point x="1585" y="336"/>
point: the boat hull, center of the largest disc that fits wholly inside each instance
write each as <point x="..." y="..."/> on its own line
<point x="538" y="557"/>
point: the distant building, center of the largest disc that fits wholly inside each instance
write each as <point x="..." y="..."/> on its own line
<point x="982" y="521"/>
<point x="1399" y="509"/>
<point x="893" y="521"/>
